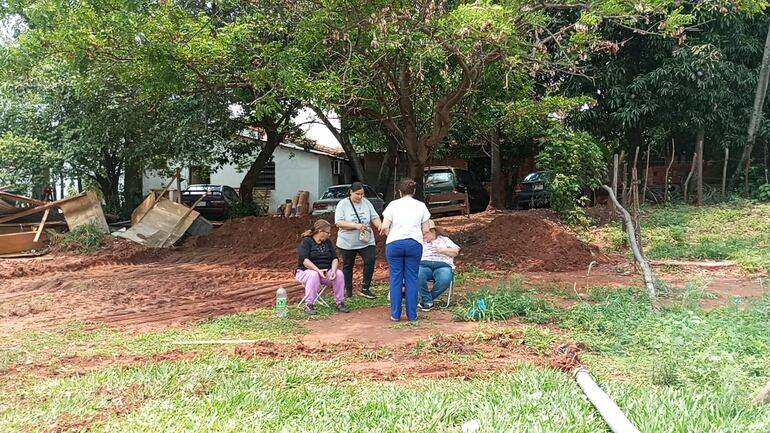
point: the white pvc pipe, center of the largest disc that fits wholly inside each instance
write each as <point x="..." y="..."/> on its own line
<point x="613" y="416"/>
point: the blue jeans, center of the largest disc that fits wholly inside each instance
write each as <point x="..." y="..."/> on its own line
<point x="441" y="273"/>
<point x="404" y="263"/>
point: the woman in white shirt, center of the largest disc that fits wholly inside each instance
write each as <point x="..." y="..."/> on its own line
<point x="405" y="223"/>
<point x="437" y="265"/>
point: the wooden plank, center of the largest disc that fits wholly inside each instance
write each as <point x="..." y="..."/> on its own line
<point x="41" y="226"/>
<point x="6" y="207"/>
<point x="181" y="221"/>
<point x="33" y="210"/>
<point x="17" y="242"/>
<point x="22" y="198"/>
<point x="143" y="207"/>
<point x="82" y="210"/>
<point x="162" y="225"/>
<point x="9" y="228"/>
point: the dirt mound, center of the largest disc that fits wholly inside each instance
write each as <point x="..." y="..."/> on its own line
<point x="275" y="238"/>
<point x="521" y="242"/>
<point x="256" y="233"/>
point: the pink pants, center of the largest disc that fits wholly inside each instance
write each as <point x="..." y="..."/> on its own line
<point x="312" y="281"/>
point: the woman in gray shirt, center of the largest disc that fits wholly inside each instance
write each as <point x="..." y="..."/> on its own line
<point x="354" y="217"/>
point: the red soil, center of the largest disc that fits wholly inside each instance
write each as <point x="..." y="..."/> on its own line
<point x="521" y="242"/>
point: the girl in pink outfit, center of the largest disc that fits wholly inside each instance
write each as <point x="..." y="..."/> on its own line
<point x="317" y="264"/>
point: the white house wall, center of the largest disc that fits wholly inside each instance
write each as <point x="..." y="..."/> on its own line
<point x="296" y="170"/>
<point x="157" y="180"/>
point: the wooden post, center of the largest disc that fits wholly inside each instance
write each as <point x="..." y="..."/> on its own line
<point x="724" y="172"/>
<point x="42" y="224"/>
<point x="699" y="138"/>
<point x="624" y="184"/>
<point x="673" y="153"/>
<point x="635" y="206"/>
<point x="689" y="175"/>
<point x="646" y="173"/>
<point x="615" y="163"/>
<point x="178" y="176"/>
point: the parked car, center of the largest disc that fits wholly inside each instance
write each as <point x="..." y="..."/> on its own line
<point x="329" y="199"/>
<point x="440" y="180"/>
<point x="215" y="206"/>
<point x="533" y="190"/>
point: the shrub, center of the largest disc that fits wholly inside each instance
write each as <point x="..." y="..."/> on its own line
<point x="85" y="239"/>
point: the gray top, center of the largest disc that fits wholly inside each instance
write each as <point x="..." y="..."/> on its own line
<point x="349" y="239"/>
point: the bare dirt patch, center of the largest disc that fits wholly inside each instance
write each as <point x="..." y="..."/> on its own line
<point x="241" y="264"/>
<point x="433" y="356"/>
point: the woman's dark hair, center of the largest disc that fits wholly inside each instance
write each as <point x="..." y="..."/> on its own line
<point x="355" y="186"/>
<point x="407" y="186"/>
<point x="318" y="226"/>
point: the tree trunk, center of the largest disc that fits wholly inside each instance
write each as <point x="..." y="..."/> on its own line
<point x="724" y="171"/>
<point x="132" y="192"/>
<point x="641" y="261"/>
<point x="385" y="173"/>
<point x="416" y="170"/>
<point x="699" y="138"/>
<point x="689" y="176"/>
<point x="342" y="135"/>
<point x="496" y="186"/>
<point x="756" y="117"/>
<point x="250" y="179"/>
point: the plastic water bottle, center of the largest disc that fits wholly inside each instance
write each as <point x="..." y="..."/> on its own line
<point x="280" y="302"/>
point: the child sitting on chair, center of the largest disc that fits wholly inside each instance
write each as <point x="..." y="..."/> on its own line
<point x="437" y="265"/>
<point x="317" y="264"/>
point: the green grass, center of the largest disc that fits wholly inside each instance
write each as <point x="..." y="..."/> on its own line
<point x="508" y="300"/>
<point x="738" y="231"/>
<point x="677" y="370"/>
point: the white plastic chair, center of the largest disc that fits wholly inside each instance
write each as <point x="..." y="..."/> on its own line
<point x="317" y="298"/>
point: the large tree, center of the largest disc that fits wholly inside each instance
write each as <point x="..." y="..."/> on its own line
<point x="408" y="65"/>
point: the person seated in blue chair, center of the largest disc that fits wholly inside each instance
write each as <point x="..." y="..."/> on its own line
<point x="437" y="265"/>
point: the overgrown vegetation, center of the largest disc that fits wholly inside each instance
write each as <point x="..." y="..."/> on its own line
<point x="507" y="301"/>
<point x="737" y="230"/>
<point x="84" y="239"/>
<point x="242" y="209"/>
<point x="573" y="161"/>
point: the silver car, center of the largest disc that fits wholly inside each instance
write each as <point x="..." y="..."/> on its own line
<point x="329" y="199"/>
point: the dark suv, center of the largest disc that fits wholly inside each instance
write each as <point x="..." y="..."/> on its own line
<point x="533" y="191"/>
<point x="441" y="180"/>
<point x="216" y="206"/>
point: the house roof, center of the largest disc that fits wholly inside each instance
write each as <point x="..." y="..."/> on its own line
<point x="312" y="146"/>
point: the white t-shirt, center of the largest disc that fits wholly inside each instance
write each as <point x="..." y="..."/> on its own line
<point x="406" y="216"/>
<point x="430" y="255"/>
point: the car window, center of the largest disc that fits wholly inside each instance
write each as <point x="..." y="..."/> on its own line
<point x="534" y="177"/>
<point x="336" y="192"/>
<point x="438" y="177"/>
<point x="464" y="177"/>
<point x="369" y="192"/>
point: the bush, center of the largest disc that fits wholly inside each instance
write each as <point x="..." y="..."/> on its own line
<point x="573" y="160"/>
<point x="243" y="209"/>
<point x="85" y="239"/>
<point x="764" y="192"/>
